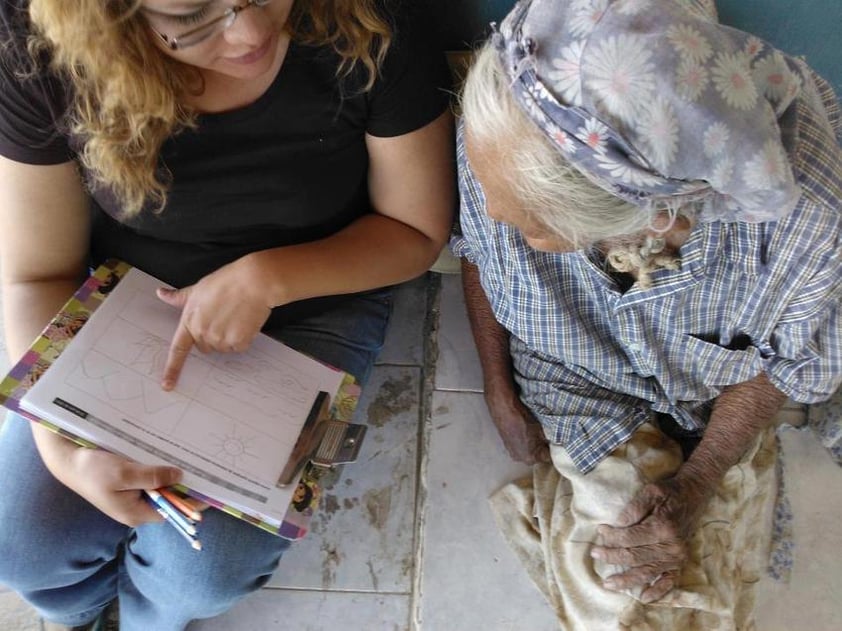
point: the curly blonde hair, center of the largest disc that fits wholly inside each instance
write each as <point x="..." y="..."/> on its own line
<point x="128" y="95"/>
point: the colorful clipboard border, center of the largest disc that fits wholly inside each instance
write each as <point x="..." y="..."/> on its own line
<point x="58" y="333"/>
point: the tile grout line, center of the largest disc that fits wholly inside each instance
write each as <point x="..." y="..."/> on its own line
<point x="430" y="354"/>
<point x="318" y="590"/>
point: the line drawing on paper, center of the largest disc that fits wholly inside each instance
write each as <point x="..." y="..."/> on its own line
<point x="235" y="410"/>
<point x="118" y="384"/>
<point x="233" y="447"/>
<point x="151" y="354"/>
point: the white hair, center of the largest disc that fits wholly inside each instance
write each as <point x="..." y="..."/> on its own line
<point x="550" y="189"/>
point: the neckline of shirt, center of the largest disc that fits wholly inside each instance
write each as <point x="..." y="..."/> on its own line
<point x="701" y="247"/>
<point x="261" y="103"/>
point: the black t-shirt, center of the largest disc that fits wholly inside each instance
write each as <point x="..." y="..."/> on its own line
<point x="289" y="168"/>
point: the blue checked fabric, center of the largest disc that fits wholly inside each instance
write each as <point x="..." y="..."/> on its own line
<point x="594" y="363"/>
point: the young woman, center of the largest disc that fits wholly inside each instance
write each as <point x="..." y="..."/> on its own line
<point x="278" y="161"/>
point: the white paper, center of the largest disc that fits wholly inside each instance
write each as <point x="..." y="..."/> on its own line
<point x="230" y="423"/>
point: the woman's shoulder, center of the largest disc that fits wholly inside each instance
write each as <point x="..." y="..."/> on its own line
<point x="15" y="30"/>
<point x="413" y="84"/>
<point x="14" y="23"/>
<point x="412" y="28"/>
<point x="33" y="101"/>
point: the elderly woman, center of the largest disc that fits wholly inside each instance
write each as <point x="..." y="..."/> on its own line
<point x="650" y="233"/>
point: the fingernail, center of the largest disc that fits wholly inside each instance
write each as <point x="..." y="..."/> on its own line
<point x="609" y="583"/>
<point x="167" y="384"/>
<point x="596" y="554"/>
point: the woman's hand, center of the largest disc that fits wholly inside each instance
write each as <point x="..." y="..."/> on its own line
<point x="651" y="538"/>
<point x="521" y="433"/>
<point x="115" y="485"/>
<point x="223" y="312"/>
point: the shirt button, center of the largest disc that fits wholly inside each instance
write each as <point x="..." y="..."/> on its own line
<point x="634" y="347"/>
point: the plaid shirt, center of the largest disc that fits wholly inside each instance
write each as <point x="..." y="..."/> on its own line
<point x="593" y="363"/>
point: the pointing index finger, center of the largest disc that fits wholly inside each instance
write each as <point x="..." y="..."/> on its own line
<point x="182" y="343"/>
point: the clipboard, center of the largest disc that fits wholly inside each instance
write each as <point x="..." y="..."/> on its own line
<point x="338" y="441"/>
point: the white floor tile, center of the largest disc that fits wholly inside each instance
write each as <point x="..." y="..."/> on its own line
<point x="363" y="534"/>
<point x="289" y="610"/>
<point x="470" y="580"/>
<point x="458" y="366"/>
<point x="811" y="600"/>
<point x="16" y="615"/>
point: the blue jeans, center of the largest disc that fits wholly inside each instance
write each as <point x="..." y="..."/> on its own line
<point x="69" y="560"/>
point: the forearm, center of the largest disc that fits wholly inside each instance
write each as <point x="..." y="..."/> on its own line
<point x="490" y="337"/>
<point x="373" y="251"/>
<point x="28" y="307"/>
<point x="739" y="415"/>
<point x="411" y="187"/>
<point x="44" y="233"/>
<point x="522" y="436"/>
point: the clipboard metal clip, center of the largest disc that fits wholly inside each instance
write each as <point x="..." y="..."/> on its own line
<point x="340" y="445"/>
<point x="323" y="441"/>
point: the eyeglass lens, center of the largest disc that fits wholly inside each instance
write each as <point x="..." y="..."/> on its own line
<point x="212" y="26"/>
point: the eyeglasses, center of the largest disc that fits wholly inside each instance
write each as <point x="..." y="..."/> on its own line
<point x="210" y="28"/>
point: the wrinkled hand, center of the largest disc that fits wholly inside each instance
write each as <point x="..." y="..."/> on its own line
<point x="223" y="312"/>
<point x="651" y="538"/>
<point x="521" y="433"/>
<point x="114" y="485"/>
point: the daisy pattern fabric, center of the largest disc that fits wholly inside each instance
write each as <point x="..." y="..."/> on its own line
<point x="656" y="102"/>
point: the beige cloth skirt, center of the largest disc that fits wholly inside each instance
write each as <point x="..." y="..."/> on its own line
<point x="550" y="520"/>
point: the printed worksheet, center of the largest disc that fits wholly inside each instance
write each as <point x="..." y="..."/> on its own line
<point x="230" y="423"/>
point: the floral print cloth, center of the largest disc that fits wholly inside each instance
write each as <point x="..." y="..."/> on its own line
<point x="627" y="89"/>
<point x="825" y="419"/>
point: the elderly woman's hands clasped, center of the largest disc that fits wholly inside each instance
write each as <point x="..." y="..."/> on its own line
<point x="651" y="536"/>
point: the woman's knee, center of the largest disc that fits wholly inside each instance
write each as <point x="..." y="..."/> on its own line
<point x="237" y="559"/>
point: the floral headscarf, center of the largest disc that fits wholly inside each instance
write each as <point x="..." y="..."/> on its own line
<point x="656" y="102"/>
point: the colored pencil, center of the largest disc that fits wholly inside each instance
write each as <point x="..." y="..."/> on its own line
<point x="174" y="514"/>
<point x="181" y="504"/>
<point x="191" y="539"/>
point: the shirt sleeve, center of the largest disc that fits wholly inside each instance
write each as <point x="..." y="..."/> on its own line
<point x="807" y="340"/>
<point x="808" y="364"/>
<point x="414" y="85"/>
<point x="468" y="229"/>
<point x="588" y="420"/>
<point x="31" y="102"/>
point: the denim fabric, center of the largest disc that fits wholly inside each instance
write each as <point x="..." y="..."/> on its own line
<point x="69" y="560"/>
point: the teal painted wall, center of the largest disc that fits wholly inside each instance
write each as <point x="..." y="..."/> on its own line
<point x="812" y="28"/>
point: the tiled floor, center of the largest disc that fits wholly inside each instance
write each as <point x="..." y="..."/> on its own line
<point x="405" y="540"/>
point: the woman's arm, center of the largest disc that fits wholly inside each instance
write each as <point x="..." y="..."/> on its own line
<point x="412" y="188"/>
<point x="653" y="531"/>
<point x="43" y="246"/>
<point x="521" y="433"/>
<point x="44" y="231"/>
<point x="738" y="417"/>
